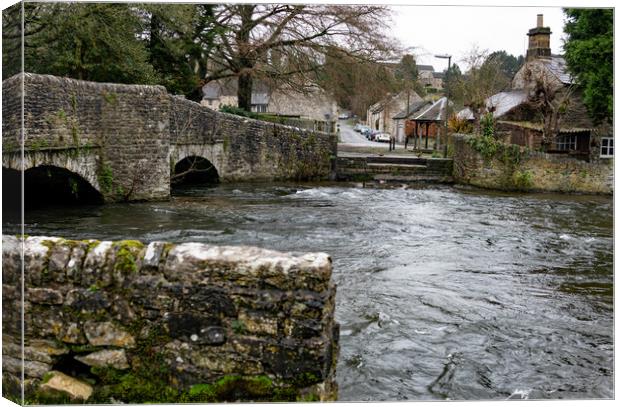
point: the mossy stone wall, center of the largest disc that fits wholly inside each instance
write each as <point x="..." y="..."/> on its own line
<point x="132" y="322"/>
<point x="530" y="171"/>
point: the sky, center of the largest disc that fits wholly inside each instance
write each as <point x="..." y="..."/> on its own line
<point x="456" y="30"/>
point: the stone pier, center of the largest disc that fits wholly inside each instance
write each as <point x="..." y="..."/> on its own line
<point x="110" y="322"/>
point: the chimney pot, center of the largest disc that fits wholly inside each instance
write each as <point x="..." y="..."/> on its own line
<point x="539" y="20"/>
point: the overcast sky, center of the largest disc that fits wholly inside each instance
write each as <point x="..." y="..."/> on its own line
<point x="456" y="30"/>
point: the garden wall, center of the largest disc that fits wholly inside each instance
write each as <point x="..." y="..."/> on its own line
<point x="530" y="171"/>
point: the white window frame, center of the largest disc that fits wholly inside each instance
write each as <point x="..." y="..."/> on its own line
<point x="607" y="147"/>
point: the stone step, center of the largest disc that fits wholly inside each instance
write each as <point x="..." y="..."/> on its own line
<point x="396" y="160"/>
<point x="393" y="165"/>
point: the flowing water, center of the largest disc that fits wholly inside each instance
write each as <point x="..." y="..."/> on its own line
<point x="443" y="293"/>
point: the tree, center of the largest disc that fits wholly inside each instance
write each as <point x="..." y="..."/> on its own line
<point x="287" y="44"/>
<point x="549" y="100"/>
<point x="178" y="37"/>
<point x="452" y="84"/>
<point x="354" y="83"/>
<point x="484" y="78"/>
<point x="508" y="64"/>
<point x="94" y="42"/>
<point x="589" y="54"/>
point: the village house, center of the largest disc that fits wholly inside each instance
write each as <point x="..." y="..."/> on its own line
<point x="429" y="78"/>
<point x="315" y="104"/>
<point x="380" y="115"/>
<point x="519" y="116"/>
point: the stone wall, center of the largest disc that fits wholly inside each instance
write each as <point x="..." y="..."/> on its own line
<point x="11" y="113"/>
<point x="127" y="322"/>
<point x="253" y="149"/>
<point x="130" y="131"/>
<point x="532" y="171"/>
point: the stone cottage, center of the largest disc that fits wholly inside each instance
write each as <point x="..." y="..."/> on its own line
<point x="519" y="113"/>
<point x="380" y="115"/>
<point x="314" y="104"/>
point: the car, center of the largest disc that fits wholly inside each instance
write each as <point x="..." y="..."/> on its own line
<point x="383" y="137"/>
<point x="343" y="116"/>
<point x="358" y="127"/>
<point x="365" y="131"/>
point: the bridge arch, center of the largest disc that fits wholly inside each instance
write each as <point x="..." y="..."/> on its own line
<point x="196" y="164"/>
<point x="53" y="177"/>
<point x="195" y="170"/>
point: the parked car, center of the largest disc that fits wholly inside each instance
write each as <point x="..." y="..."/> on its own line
<point x="365" y="131"/>
<point x="343" y="116"/>
<point x="383" y="137"/>
<point x="358" y="127"/>
<point x="372" y="134"/>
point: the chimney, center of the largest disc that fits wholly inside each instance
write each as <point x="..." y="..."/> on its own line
<point x="539" y="42"/>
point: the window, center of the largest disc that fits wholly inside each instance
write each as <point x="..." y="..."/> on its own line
<point x="566" y="143"/>
<point x="262" y="108"/>
<point x="607" y="147"/>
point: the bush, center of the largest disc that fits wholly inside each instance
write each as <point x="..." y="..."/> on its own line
<point x="239" y="112"/>
<point x="457" y="125"/>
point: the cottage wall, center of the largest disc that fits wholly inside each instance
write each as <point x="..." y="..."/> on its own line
<point x="317" y="105"/>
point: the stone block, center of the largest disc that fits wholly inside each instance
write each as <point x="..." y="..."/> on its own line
<point x="107" y="334"/>
<point x="58" y="382"/>
<point x="44" y="296"/>
<point x="115" y="358"/>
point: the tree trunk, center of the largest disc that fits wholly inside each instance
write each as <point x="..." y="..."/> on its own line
<point x="245" y="62"/>
<point x="244" y="91"/>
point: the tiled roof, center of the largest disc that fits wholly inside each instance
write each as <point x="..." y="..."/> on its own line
<point x="413" y="108"/>
<point x="557" y="65"/>
<point x="500" y="103"/>
<point x="539" y="127"/>
<point x="425" y="68"/>
<point x="435" y="112"/>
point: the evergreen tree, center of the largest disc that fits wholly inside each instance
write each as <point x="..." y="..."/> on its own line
<point x="589" y="50"/>
<point x="96" y="42"/>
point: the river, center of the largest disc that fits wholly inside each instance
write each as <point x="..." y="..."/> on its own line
<point x="443" y="292"/>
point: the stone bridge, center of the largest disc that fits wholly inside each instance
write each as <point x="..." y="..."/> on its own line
<point x="112" y="142"/>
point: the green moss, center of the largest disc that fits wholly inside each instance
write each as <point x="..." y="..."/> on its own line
<point x="309" y="397"/>
<point x="238" y="327"/>
<point x="61" y="114"/>
<point x="46" y="377"/>
<point x="105" y="178"/>
<point x="148" y="381"/>
<point x="126" y="255"/>
<point x="74" y="103"/>
<point x="110" y="98"/>
<point x="306" y="379"/>
<point x="74" y="134"/>
<point x="236" y="387"/>
<point x="522" y="179"/>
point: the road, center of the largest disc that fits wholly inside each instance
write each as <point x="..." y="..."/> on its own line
<point x="349" y="137"/>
